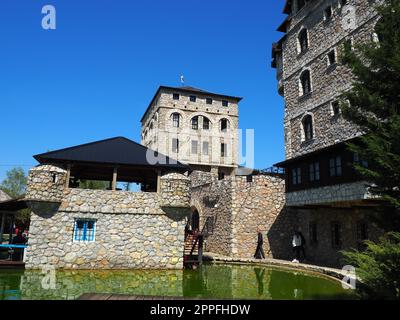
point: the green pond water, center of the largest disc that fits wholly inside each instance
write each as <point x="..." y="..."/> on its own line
<point x="209" y="281"/>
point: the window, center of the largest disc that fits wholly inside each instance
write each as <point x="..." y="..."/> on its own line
<point x="176" y="120"/>
<point x="206" y="123"/>
<point x="362" y="234"/>
<point x="224" y="103"/>
<point x="249" y="178"/>
<point x="195" y="123"/>
<point x="305" y="80"/>
<point x="224" y="150"/>
<point x="194" y="147"/>
<point x="357" y="160"/>
<point x="175" y="145"/>
<point x="175" y="96"/>
<point x="335" y="166"/>
<point x="303" y="40"/>
<point x="221" y="175"/>
<point x="335" y="108"/>
<point x="348" y="43"/>
<point x="308" y="127"/>
<point x="205" y="148"/>
<point x="331" y="57"/>
<point x="336" y="235"/>
<point x="55" y="178"/>
<point x="209" y="101"/>
<point x="296" y="176"/>
<point x="314" y="171"/>
<point x="328" y="13"/>
<point x="312" y="230"/>
<point x="84" y="230"/>
<point x="193" y="98"/>
<point x="224" y="125"/>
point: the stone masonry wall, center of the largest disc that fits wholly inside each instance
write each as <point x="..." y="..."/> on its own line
<point x="256" y="205"/>
<point x="327" y="194"/>
<point x="238" y="208"/>
<point x="132" y="229"/>
<point x="327" y="81"/>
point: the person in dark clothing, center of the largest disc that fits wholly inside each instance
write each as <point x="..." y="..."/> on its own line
<point x="259" y="251"/>
<point x="17" y="253"/>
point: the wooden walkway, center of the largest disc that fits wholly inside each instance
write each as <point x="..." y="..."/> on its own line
<point x="9" y="264"/>
<point x="110" y="296"/>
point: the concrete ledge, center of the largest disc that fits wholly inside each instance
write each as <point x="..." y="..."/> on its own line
<point x="337" y="274"/>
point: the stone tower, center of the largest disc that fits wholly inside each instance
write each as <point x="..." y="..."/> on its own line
<point x="322" y="186"/>
<point x="195" y="127"/>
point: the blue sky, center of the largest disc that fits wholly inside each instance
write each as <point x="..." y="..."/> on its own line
<point x="93" y="77"/>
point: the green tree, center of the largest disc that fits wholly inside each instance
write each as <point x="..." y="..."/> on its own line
<point x="15" y="186"/>
<point x="373" y="104"/>
<point x="15" y="182"/>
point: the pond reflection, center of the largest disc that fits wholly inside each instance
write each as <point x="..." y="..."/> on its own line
<point x="209" y="281"/>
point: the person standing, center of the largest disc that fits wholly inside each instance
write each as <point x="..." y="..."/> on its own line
<point x="260" y="241"/>
<point x="297" y="245"/>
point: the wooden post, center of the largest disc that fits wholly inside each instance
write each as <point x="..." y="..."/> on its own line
<point x="200" y="252"/>
<point x="114" y="180"/>
<point x="3" y="220"/>
<point x="158" y="181"/>
<point x="68" y="176"/>
<point x="10" y="237"/>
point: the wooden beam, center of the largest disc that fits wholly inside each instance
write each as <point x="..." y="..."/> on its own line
<point x="68" y="176"/>
<point x="158" y="181"/>
<point x="114" y="180"/>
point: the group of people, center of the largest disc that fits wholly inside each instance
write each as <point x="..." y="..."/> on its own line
<point x="298" y="245"/>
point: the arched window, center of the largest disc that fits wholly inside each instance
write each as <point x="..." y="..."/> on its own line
<point x="303" y="40"/>
<point x="224" y="125"/>
<point x="195" y="123"/>
<point x="206" y="123"/>
<point x="305" y="81"/>
<point x="308" y="127"/>
<point x="176" y="119"/>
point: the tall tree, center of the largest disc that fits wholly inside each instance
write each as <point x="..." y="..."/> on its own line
<point x="15" y="182"/>
<point x="15" y="186"/>
<point x="373" y="104"/>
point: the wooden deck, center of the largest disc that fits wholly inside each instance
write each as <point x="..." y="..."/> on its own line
<point x="109" y="296"/>
<point x="9" y="264"/>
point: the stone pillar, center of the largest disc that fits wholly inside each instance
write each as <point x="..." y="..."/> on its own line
<point x="158" y="181"/>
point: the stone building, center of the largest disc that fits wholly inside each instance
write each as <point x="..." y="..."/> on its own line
<point x="331" y="202"/>
<point x="196" y="127"/>
<point x="76" y="228"/>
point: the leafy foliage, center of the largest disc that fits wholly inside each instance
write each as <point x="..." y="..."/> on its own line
<point x="373" y="104"/>
<point x="378" y="267"/>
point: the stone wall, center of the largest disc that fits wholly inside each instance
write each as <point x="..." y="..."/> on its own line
<point x="132" y="229"/>
<point x="324" y="252"/>
<point x="327" y="81"/>
<point x="238" y="208"/>
<point x="46" y="183"/>
<point x="335" y="193"/>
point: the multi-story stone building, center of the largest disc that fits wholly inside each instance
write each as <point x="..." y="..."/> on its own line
<point x="321" y="183"/>
<point x="195" y="127"/>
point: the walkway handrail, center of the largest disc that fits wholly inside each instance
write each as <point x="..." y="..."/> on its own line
<point x="10" y="246"/>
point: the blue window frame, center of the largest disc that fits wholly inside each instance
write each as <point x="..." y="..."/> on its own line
<point x="84" y="230"/>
